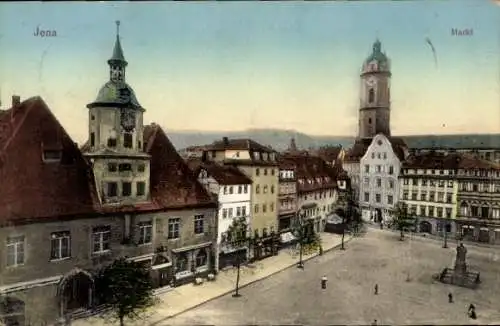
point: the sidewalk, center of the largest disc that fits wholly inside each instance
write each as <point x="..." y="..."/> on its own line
<point x="189" y="296"/>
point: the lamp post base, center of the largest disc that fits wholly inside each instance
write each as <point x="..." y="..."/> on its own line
<point x="236" y="295"/>
<point x="300" y="265"/>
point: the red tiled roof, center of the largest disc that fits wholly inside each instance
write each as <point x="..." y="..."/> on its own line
<point x="32" y="189"/>
<point x="173" y="184"/>
<point x="329" y="153"/>
<point x="470" y="162"/>
<point x="310" y="167"/>
<point x="223" y="174"/>
<point x="441" y="161"/>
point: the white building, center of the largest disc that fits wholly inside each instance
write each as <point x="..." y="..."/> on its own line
<point x="379" y="186"/>
<point x="233" y="190"/>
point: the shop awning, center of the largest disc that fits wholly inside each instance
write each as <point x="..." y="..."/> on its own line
<point x="334" y="219"/>
<point x="287" y="237"/>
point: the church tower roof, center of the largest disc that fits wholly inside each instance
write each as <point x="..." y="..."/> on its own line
<point x="377" y="54"/>
<point x="117" y="58"/>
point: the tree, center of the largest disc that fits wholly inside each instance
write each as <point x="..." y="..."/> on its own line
<point x="402" y="218"/>
<point x="126" y="287"/>
<point x="304" y="232"/>
<point x="237" y="237"/>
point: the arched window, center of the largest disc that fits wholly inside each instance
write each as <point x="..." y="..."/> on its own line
<point x="181" y="262"/>
<point x="371" y="96"/>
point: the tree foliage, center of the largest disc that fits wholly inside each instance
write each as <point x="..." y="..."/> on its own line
<point x="402" y="218"/>
<point x="237" y="231"/>
<point x="126" y="287"/>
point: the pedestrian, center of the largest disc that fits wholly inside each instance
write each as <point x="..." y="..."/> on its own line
<point x="376" y="289"/>
<point x="374" y="322"/>
<point x="472" y="307"/>
<point x="450" y="297"/>
<point x="324" y="279"/>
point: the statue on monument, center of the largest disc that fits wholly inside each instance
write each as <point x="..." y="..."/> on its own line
<point x="460" y="264"/>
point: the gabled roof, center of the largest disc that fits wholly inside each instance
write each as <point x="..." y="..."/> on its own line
<point x="361" y="145"/>
<point x="173" y="184"/>
<point x="238" y="144"/>
<point x="329" y="153"/>
<point x="30" y="188"/>
<point x="223" y="174"/>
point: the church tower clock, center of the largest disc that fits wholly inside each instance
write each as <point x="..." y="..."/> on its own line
<point x="374" y="111"/>
<point x="115" y="146"/>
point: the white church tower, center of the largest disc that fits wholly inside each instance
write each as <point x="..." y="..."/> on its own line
<point x="115" y="147"/>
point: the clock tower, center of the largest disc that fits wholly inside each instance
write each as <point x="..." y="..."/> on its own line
<point x="115" y="147"/>
<point x="374" y="111"/>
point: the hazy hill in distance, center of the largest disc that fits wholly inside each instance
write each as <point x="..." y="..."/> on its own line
<point x="276" y="138"/>
<point x="279" y="139"/>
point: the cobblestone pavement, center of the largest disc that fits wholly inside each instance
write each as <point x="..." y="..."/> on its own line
<point x="295" y="296"/>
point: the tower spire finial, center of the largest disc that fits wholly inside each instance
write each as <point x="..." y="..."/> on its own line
<point x="117" y="28"/>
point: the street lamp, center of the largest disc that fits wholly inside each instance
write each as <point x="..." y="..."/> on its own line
<point x="445" y="244"/>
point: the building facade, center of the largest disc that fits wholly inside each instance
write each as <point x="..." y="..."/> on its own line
<point x="65" y="215"/>
<point x="429" y="187"/>
<point x="316" y="187"/>
<point x="260" y="164"/>
<point x="233" y="192"/>
<point x="478" y="216"/>
<point x="287" y="196"/>
<point x="379" y="187"/>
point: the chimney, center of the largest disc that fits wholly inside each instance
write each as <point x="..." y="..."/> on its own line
<point x="225" y="140"/>
<point x="16" y="101"/>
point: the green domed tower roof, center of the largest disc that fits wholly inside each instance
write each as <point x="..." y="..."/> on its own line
<point x="377" y="54"/>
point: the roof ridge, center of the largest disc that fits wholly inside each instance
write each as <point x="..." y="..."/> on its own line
<point x="21" y="122"/>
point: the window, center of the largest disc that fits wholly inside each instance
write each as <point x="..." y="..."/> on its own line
<point x="230" y="190"/>
<point x="424" y="182"/>
<point x="101" y="237"/>
<point x="390" y="199"/>
<point x="245" y="189"/>
<point x="173" y="228"/>
<point x="367" y="168"/>
<point x="405" y="195"/>
<point x="60" y="245"/>
<point x="52" y="155"/>
<point x="127" y="140"/>
<point x="378" y="156"/>
<point x="391" y="169"/>
<point x="225" y="190"/>
<point x="377" y="198"/>
<point x="449" y="198"/>
<point x="265" y="189"/>
<point x="405" y="181"/>
<point x="379" y="169"/>
<point x="448" y="212"/>
<point x="240" y="189"/>
<point x="367" y="197"/>
<point x="423" y="196"/>
<point x="139" y="145"/>
<point x="385" y="156"/>
<point x="112" y="167"/>
<point x="126" y="189"/>
<point x="265" y="171"/>
<point x="141" y="188"/>
<point x="379" y="182"/>
<point x="15" y="251"/>
<point x="272" y="171"/>
<point x="257" y="189"/>
<point x="272" y="189"/>
<point x="224" y="212"/>
<point x="238" y="211"/>
<point x="391" y="184"/>
<point x="145" y="232"/>
<point x="366" y="181"/>
<point x="440" y="212"/>
<point x="230" y="212"/>
<point x="271" y="207"/>
<point x="256" y="208"/>
<point x="198" y="224"/>
<point x="371" y="96"/>
<point x="373" y="155"/>
<point x="432" y="196"/>
<point x="112" y="189"/>
<point x="431" y="211"/>
<point x="201" y="258"/>
<point x="123" y="167"/>
<point x="440" y="197"/>
<point x="264" y="208"/>
<point x="141" y="168"/>
<point x="92" y="139"/>
<point x="257" y="172"/>
<point x="112" y="142"/>
<point x="414" y="195"/>
<point x="243" y="211"/>
<point x="181" y="263"/>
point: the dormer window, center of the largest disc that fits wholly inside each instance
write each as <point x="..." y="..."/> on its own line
<point x="124" y="167"/>
<point x="51" y="156"/>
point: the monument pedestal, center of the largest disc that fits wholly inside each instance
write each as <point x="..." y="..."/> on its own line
<point x="460" y="276"/>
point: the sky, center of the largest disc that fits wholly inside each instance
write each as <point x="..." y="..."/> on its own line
<point x="236" y="65"/>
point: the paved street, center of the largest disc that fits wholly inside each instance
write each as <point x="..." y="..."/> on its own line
<point x="295" y="297"/>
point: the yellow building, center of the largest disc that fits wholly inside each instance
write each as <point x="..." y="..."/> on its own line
<point x="260" y="164"/>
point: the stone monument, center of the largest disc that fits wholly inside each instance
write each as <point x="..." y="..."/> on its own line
<point x="460" y="275"/>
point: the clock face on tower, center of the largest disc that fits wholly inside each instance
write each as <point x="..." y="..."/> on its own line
<point x="127" y="119"/>
<point x="371" y="81"/>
